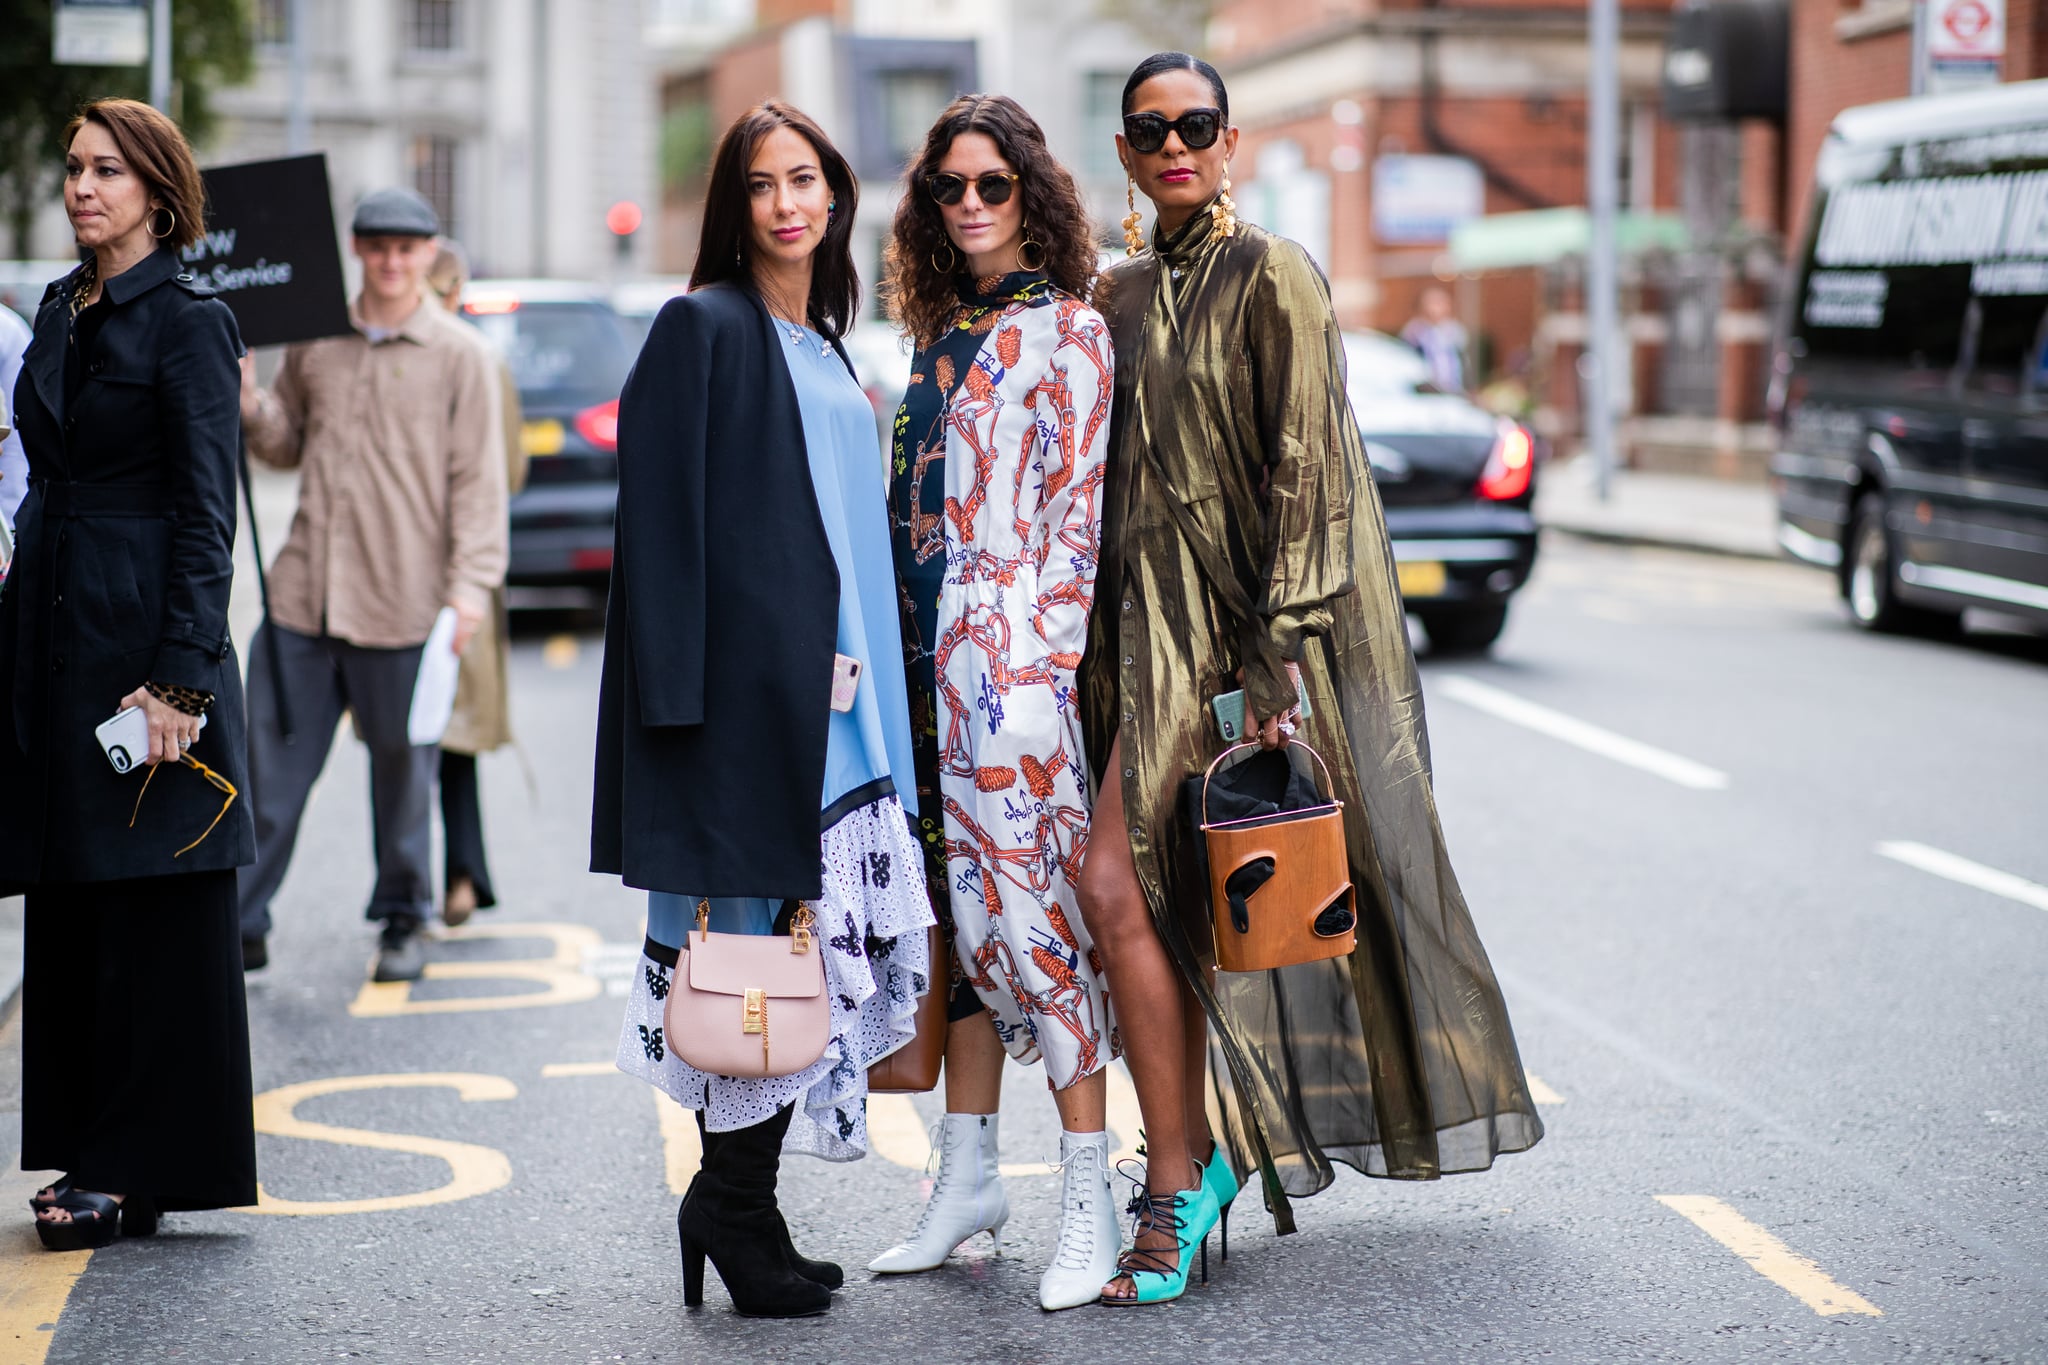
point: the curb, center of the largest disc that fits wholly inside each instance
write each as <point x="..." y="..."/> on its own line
<point x="1615" y="535"/>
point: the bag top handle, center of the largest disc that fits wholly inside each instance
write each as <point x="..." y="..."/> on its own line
<point x="1329" y="783"/>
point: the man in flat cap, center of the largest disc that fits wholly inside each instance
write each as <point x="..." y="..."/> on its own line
<point x="394" y="428"/>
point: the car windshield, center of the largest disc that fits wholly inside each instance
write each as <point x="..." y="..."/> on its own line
<point x="561" y="352"/>
<point x="1379" y="365"/>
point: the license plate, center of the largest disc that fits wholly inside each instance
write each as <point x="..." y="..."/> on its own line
<point x="1421" y="578"/>
<point x="543" y="437"/>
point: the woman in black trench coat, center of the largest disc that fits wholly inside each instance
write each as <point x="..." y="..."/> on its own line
<point x="135" y="1034"/>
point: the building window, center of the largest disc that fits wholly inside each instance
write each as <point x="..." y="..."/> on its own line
<point x="911" y="101"/>
<point x="430" y="26"/>
<point x="273" y="22"/>
<point x="1105" y="119"/>
<point x="433" y="175"/>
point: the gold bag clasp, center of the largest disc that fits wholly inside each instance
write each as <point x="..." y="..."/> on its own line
<point x="754" y="1011"/>
<point x="800" y="937"/>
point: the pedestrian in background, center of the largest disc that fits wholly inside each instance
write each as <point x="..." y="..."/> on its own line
<point x="397" y="432"/>
<point x="135" y="1032"/>
<point x="1243" y="545"/>
<point x="483" y="714"/>
<point x="753" y="548"/>
<point x="1439" y="338"/>
<point x="14" y="339"/>
<point x="995" y="506"/>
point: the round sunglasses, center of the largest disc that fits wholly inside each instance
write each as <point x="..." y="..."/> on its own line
<point x="994" y="187"/>
<point x="1198" y="129"/>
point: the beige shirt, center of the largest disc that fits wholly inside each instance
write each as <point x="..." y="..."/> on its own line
<point x="400" y="450"/>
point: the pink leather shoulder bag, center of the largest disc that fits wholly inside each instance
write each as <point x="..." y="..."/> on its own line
<point x="749" y="1004"/>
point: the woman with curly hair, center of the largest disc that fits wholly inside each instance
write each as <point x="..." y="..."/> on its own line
<point x="998" y="468"/>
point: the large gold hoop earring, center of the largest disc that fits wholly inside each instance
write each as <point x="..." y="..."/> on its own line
<point x="1134" y="240"/>
<point x="1030" y="243"/>
<point x="151" y="224"/>
<point x="1224" y="215"/>
<point x="952" y="260"/>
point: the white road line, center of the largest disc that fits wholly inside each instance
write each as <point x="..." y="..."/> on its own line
<point x="1594" y="740"/>
<point x="1539" y="1092"/>
<point x="1960" y="869"/>
<point x="1769" y="1257"/>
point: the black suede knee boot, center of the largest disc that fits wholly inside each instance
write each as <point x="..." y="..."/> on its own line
<point x="730" y="1216"/>
<point x="826" y="1273"/>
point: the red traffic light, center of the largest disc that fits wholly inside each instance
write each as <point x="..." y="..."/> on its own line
<point x="623" y="218"/>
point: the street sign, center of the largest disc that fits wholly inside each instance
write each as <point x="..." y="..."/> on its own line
<point x="1964" y="44"/>
<point x="1419" y="199"/>
<point x="270" y="249"/>
<point x="99" y="32"/>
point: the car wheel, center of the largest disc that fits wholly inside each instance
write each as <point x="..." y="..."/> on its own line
<point x="1871" y="585"/>
<point x="1463" y="630"/>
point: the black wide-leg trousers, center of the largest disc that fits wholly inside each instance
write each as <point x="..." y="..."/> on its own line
<point x="135" y="1040"/>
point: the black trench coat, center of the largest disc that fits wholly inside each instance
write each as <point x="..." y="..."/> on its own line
<point x="724" y="614"/>
<point x="124" y="557"/>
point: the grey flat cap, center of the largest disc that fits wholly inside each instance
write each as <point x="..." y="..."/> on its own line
<point x="395" y="213"/>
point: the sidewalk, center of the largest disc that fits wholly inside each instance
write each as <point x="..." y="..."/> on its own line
<point x="1684" y="511"/>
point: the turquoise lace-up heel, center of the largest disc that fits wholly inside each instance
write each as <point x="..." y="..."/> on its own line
<point x="1188" y="1216"/>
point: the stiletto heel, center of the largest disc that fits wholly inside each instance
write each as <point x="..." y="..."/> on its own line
<point x="1223" y="1229"/>
<point x="693" y="1275"/>
<point x="995" y="1233"/>
<point x="1221" y="1183"/>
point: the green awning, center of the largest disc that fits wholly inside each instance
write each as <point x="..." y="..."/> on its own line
<point x="1502" y="241"/>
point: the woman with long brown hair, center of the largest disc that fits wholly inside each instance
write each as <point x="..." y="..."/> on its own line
<point x="997" y="470"/>
<point x="736" y="779"/>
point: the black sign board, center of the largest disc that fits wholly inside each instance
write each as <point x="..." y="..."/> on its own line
<point x="270" y="249"/>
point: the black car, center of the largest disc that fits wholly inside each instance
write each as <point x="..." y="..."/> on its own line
<point x="1457" y="483"/>
<point x="1910" y="384"/>
<point x="569" y="352"/>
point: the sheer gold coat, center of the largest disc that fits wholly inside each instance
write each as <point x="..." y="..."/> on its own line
<point x="1230" y="396"/>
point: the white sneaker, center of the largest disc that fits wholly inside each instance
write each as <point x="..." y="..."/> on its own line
<point x="967" y="1198"/>
<point x="1090" y="1239"/>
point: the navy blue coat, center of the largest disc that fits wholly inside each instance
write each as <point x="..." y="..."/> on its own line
<point x="723" y="619"/>
<point x="124" y="557"/>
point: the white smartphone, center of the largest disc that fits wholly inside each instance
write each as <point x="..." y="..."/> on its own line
<point x="125" y="737"/>
<point x="845" y="681"/>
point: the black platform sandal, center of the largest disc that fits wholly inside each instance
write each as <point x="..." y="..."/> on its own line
<point x="139" y="1216"/>
<point x="95" y="1222"/>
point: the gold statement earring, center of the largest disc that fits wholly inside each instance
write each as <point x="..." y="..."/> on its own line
<point x="1224" y="214"/>
<point x="1029" y="244"/>
<point x="1134" y="240"/>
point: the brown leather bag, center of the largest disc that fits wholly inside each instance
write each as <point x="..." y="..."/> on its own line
<point x="914" y="1068"/>
<point x="1279" y="883"/>
<point x="749" y="1004"/>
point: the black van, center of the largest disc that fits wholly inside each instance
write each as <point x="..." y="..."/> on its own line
<point x="1910" y="386"/>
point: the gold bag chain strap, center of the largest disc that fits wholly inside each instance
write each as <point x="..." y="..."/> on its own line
<point x="754" y="1000"/>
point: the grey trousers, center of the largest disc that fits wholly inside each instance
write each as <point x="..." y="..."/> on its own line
<point x="323" y="677"/>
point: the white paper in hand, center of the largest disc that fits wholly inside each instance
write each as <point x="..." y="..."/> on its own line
<point x="433" y="692"/>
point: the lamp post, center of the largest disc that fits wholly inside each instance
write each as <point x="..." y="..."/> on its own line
<point x="1603" y="99"/>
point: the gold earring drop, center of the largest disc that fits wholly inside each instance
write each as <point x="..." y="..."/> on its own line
<point x="1224" y="214"/>
<point x="1134" y="240"/>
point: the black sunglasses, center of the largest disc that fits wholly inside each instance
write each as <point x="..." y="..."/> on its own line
<point x="1198" y="129"/>
<point x="994" y="187"/>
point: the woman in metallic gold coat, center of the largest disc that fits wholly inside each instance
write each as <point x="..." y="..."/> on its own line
<point x="1230" y="411"/>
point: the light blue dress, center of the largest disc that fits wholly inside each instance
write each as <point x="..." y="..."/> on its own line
<point x="874" y="912"/>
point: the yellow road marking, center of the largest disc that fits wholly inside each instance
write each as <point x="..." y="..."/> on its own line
<point x="581" y="1069"/>
<point x="682" y="1151"/>
<point x="34" y="1283"/>
<point x="1540" y="1092"/>
<point x="473" y="1169"/>
<point x="560" y="651"/>
<point x="560" y="975"/>
<point x="1769" y="1257"/>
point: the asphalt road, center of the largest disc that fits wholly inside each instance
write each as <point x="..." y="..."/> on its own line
<point x="1795" y="1085"/>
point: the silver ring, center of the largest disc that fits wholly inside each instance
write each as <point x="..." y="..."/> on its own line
<point x="1286" y="727"/>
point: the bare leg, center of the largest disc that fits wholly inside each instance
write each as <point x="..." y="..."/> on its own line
<point x="1195" y="1053"/>
<point x="974" y="1065"/>
<point x="1149" y="1001"/>
<point x="1084" y="1105"/>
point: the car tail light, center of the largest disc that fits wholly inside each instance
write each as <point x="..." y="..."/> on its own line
<point x="1509" y="466"/>
<point x="600" y="425"/>
<point x="587" y="561"/>
<point x="477" y="304"/>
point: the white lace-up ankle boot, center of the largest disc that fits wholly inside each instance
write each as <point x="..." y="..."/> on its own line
<point x="1085" y="1260"/>
<point x="967" y="1198"/>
